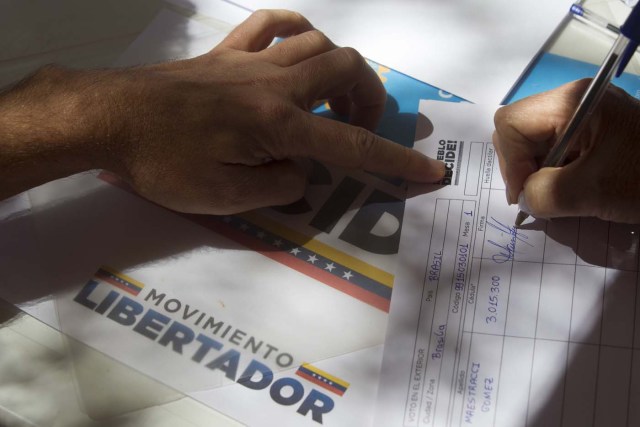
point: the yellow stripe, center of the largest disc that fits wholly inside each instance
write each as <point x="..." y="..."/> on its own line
<point x="328" y="376"/>
<point x="123" y="277"/>
<point x="320" y="248"/>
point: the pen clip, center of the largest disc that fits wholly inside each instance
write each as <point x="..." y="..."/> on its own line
<point x="631" y="30"/>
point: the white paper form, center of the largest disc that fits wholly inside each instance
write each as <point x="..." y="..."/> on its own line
<point x="271" y="290"/>
<point x="475" y="50"/>
<point x="495" y="326"/>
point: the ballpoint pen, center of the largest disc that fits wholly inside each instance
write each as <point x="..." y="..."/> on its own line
<point x="615" y="62"/>
<point x="592" y="18"/>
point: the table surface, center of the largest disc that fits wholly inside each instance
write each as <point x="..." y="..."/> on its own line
<point x="35" y="362"/>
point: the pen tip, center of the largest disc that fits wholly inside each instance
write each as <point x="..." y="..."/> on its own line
<point x="520" y="218"/>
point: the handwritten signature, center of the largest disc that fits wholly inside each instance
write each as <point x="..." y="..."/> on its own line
<point x="507" y="250"/>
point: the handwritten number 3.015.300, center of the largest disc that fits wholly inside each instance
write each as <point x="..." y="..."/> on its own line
<point x="492" y="308"/>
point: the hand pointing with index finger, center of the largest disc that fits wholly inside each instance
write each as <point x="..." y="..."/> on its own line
<point x="220" y="133"/>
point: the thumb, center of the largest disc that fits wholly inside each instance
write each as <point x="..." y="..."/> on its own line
<point x="555" y="192"/>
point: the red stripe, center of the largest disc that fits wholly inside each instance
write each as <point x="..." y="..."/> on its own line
<point x="319" y="382"/>
<point x="291" y="261"/>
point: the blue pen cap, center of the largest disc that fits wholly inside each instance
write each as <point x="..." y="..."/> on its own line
<point x="631" y="27"/>
<point x="576" y="9"/>
<point x="631" y="30"/>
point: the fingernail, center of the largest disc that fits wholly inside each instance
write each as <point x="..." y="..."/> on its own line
<point x="437" y="168"/>
<point x="506" y="190"/>
<point x="522" y="203"/>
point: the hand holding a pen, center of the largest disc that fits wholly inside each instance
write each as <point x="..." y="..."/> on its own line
<point x="601" y="177"/>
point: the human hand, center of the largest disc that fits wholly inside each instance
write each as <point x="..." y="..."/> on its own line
<point x="602" y="177"/>
<point x="220" y="133"/>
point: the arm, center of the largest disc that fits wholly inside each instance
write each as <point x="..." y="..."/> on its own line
<point x="48" y="130"/>
<point x="214" y="134"/>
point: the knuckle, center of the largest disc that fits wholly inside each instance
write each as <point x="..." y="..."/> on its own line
<point x="509" y="118"/>
<point x="279" y="121"/>
<point x="501" y="116"/>
<point x="297" y="17"/>
<point x="272" y="16"/>
<point x="364" y="143"/>
<point x="317" y="38"/>
<point x="351" y="57"/>
<point x="263" y="15"/>
<point x="276" y="113"/>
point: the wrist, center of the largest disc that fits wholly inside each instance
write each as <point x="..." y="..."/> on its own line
<point x="52" y="125"/>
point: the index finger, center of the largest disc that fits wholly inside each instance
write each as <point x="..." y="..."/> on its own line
<point x="354" y="147"/>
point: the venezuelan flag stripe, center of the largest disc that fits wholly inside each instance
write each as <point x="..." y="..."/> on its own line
<point x="327" y="251"/>
<point x="380" y="302"/>
<point x="322" y="378"/>
<point x="119" y="280"/>
<point x="300" y="259"/>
